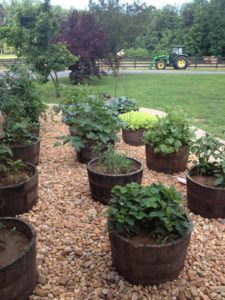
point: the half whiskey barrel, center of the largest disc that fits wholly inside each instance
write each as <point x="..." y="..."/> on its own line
<point x="209" y="202"/>
<point x="146" y="263"/>
<point x="21" y="197"/>
<point x="28" y="153"/>
<point x="167" y="163"/>
<point x="101" y="184"/>
<point x="133" y="137"/>
<point x="18" y="270"/>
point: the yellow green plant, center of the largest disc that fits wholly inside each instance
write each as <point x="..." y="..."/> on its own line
<point x="137" y="120"/>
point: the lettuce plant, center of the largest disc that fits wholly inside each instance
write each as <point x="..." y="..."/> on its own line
<point x="137" y="120"/>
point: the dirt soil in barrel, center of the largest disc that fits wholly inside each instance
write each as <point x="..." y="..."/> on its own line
<point x="15" y="177"/>
<point x="73" y="251"/>
<point x="205" y="180"/>
<point x="12" y="244"/>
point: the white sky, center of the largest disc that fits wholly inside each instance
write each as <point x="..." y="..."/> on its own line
<point x="82" y="4"/>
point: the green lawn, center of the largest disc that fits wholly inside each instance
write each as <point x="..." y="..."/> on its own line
<point x="202" y="96"/>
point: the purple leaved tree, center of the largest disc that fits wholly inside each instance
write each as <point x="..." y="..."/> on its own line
<point x="86" y="38"/>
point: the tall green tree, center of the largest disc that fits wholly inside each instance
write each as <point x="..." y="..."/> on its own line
<point x="34" y="31"/>
<point x="122" y="22"/>
<point x="217" y="27"/>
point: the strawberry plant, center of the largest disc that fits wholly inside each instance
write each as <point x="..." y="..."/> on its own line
<point x="153" y="209"/>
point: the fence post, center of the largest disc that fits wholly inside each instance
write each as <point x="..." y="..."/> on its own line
<point x="135" y="62"/>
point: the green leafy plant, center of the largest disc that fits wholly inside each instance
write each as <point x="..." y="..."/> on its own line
<point x="153" y="209"/>
<point x="137" y="120"/>
<point x="17" y="131"/>
<point x="122" y="105"/>
<point x="210" y="154"/>
<point x="17" y="89"/>
<point x="169" y="133"/>
<point x="79" y="94"/>
<point x="112" y="162"/>
<point x="91" y="120"/>
<point x="9" y="167"/>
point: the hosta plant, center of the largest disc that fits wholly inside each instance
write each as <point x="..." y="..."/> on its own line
<point x="122" y="105"/>
<point x="153" y="209"/>
<point x="169" y="133"/>
<point x="210" y="158"/>
<point x="137" y="120"/>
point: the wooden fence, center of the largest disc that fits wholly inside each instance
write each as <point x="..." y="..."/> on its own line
<point x="142" y="63"/>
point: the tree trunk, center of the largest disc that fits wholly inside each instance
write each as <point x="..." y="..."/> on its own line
<point x="56" y="83"/>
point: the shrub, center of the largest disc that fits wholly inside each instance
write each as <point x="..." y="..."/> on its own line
<point x="169" y="133"/>
<point x="137" y="120"/>
<point x="153" y="209"/>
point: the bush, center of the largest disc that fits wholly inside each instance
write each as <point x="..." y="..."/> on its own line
<point x="137" y="120"/>
<point x="153" y="209"/>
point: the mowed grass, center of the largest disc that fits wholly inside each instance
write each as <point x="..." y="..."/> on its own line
<point x="202" y="96"/>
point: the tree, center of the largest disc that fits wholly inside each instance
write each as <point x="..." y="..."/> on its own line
<point x="34" y="33"/>
<point x="86" y="39"/>
<point x="122" y="24"/>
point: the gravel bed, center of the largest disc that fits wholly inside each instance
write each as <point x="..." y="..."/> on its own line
<point x="73" y="252"/>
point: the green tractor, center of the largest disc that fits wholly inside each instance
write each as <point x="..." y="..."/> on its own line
<point x="177" y="59"/>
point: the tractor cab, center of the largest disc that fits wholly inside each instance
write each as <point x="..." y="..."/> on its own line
<point x="178" y="58"/>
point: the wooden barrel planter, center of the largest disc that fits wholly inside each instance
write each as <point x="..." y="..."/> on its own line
<point x="146" y="263"/>
<point x="86" y="153"/>
<point x="209" y="202"/>
<point x="18" y="270"/>
<point x="167" y="163"/>
<point x="21" y="197"/>
<point x="133" y="137"/>
<point x="101" y="184"/>
<point x="28" y="153"/>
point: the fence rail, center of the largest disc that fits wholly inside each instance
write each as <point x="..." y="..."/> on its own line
<point x="142" y="63"/>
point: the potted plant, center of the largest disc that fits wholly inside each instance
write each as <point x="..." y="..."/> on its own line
<point x="149" y="233"/>
<point x="206" y="179"/>
<point x="167" y="143"/>
<point x="91" y="123"/>
<point x="111" y="169"/>
<point x="18" y="270"/>
<point x="17" y="134"/>
<point x="18" y="184"/>
<point x="135" y="123"/>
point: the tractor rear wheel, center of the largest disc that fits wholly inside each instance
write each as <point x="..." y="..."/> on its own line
<point x="160" y="65"/>
<point x="181" y="63"/>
